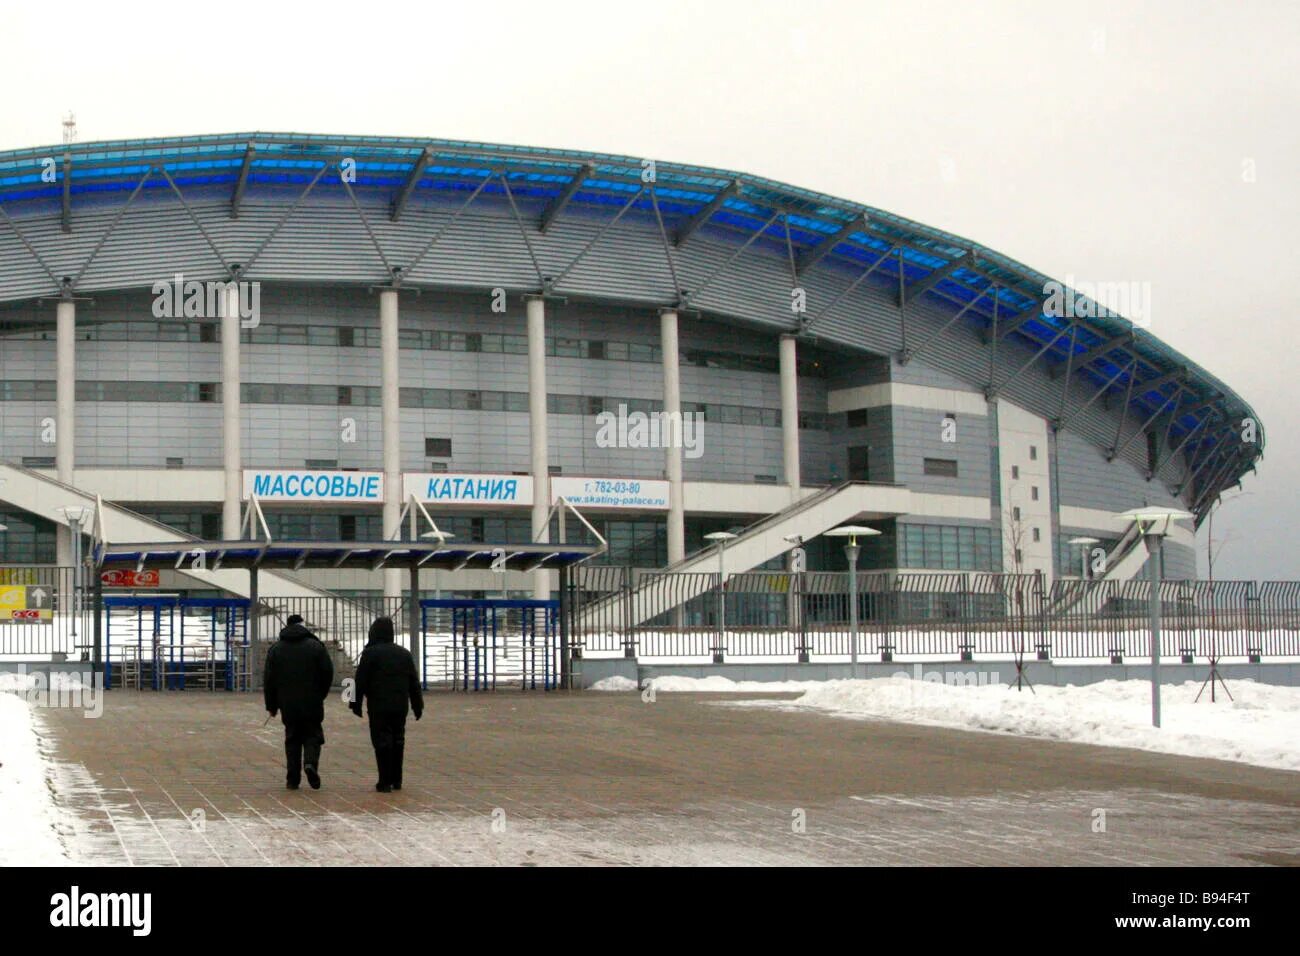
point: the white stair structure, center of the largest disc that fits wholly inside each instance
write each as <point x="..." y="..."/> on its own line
<point x="43" y="496"/>
<point x="1127" y="557"/>
<point x="757" y="544"/>
<point x="1123" y="563"/>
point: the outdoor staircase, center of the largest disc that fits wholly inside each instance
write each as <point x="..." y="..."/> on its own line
<point x="758" y="543"/>
<point x="43" y="496"/>
<point x="1126" y="559"/>
<point x="1123" y="563"/>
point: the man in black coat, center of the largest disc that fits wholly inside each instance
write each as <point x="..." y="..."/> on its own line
<point x="386" y="677"/>
<point x="296" y="682"/>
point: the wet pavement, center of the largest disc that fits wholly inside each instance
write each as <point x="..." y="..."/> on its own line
<point x="589" y="778"/>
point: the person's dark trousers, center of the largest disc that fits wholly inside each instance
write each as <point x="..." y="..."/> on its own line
<point x="388" y="737"/>
<point x="302" y="743"/>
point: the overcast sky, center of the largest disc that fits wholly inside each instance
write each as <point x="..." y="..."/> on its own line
<point x="1093" y="140"/>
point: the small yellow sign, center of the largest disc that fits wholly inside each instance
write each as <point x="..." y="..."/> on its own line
<point x="26" y="604"/>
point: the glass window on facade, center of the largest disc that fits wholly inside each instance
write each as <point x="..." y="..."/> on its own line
<point x="28" y="539"/>
<point x="859" y="463"/>
<point x="940" y="467"/>
<point x="948" y="548"/>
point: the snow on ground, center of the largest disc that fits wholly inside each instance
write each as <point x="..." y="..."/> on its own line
<point x="713" y="685"/>
<point x="28" y="815"/>
<point x="615" y="683"/>
<point x="40" y="681"/>
<point x="1259" y="725"/>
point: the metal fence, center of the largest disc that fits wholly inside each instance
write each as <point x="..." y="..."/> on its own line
<point x="342" y="623"/>
<point x="662" y="616"/>
<point x="67" y="634"/>
<point x="772" y="616"/>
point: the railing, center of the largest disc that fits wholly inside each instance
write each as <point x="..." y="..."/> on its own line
<point x="340" y="622"/>
<point x="805" y="617"/>
<point x="777" y="615"/>
<point x="66" y="634"/>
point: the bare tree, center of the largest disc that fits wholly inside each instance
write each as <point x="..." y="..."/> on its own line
<point x="1013" y="528"/>
<point x="1211" y="552"/>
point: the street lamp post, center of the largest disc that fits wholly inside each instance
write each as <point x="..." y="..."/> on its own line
<point x="441" y="537"/>
<point x="721" y="538"/>
<point x="75" y="515"/>
<point x="851" y="551"/>
<point x="1084" y="544"/>
<point x="795" y="610"/>
<point x="1153" y="524"/>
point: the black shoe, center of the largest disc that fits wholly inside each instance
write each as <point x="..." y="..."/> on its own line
<point x="290" y="785"/>
<point x="397" y="786"/>
<point x="383" y="788"/>
<point x="313" y="777"/>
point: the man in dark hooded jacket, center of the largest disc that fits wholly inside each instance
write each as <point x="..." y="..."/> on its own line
<point x="296" y="682"/>
<point x="386" y="677"/>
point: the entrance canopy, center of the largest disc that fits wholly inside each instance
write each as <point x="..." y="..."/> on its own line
<point x="366" y="555"/>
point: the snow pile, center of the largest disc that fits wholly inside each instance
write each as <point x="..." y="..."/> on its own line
<point x="710" y="685"/>
<point x="615" y="683"/>
<point x="28" y="816"/>
<point x="41" y="681"/>
<point x="1261" y="725"/>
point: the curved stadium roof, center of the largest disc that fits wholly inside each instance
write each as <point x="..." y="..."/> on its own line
<point x="94" y="217"/>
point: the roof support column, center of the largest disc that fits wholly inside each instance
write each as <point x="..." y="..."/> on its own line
<point x="414" y="622"/>
<point x="252" y="678"/>
<point x="231" y="414"/>
<point x="790" y="413"/>
<point x="671" y="355"/>
<point x="65" y="409"/>
<point x="537" y="422"/>
<point x="391" y="418"/>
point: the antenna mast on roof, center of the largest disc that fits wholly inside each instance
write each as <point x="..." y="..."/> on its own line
<point x="69" y="128"/>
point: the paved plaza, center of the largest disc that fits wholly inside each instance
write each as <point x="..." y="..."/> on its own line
<point x="589" y="778"/>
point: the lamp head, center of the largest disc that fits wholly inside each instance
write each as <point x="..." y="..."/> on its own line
<point x="852" y="532"/>
<point x="1153" y="519"/>
<point x="75" y="514"/>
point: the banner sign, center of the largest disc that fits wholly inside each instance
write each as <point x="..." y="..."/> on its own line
<point x="26" y="605"/>
<point x="286" y="485"/>
<point x="611" y="492"/>
<point x="129" y="579"/>
<point x="468" y="489"/>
